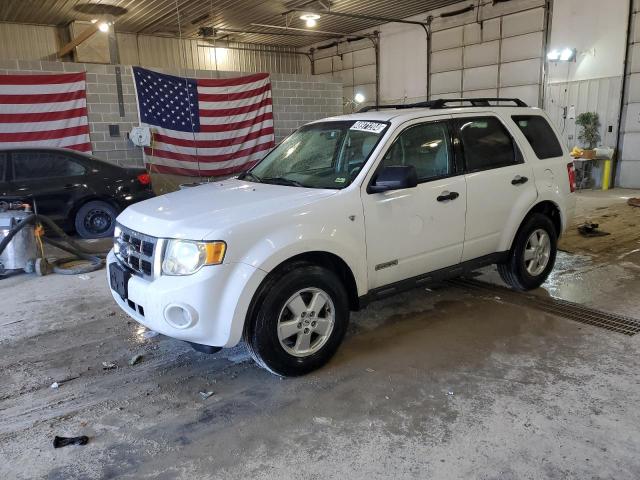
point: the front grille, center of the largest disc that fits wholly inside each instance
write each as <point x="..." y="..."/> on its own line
<point x="136" y="251"/>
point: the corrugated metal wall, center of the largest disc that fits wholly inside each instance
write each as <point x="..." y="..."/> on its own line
<point x="151" y="51"/>
<point x="29" y="42"/>
<point x="34" y="42"/>
<point x="601" y="95"/>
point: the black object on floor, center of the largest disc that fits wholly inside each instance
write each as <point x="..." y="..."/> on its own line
<point x="591" y="230"/>
<point x="59" y="442"/>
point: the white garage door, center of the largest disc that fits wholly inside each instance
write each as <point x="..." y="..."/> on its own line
<point x="501" y="56"/>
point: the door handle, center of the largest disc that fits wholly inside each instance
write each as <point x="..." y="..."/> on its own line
<point x="518" y="180"/>
<point x="444" y="196"/>
<point x="71" y="186"/>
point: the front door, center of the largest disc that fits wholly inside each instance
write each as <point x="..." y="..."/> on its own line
<point x="500" y="184"/>
<point x="51" y="179"/>
<point x="416" y="230"/>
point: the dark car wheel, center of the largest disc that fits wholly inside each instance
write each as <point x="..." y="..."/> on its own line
<point x="96" y="220"/>
<point x="532" y="255"/>
<point x="300" y="318"/>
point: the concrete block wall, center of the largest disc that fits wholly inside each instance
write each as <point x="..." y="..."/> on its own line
<point x="297" y="99"/>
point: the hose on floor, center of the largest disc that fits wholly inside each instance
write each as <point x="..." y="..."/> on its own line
<point x="83" y="261"/>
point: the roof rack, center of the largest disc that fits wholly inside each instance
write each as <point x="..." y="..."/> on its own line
<point x="444" y="103"/>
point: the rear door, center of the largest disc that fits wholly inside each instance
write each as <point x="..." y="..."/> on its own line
<point x="500" y="184"/>
<point x="416" y="230"/>
<point x="53" y="179"/>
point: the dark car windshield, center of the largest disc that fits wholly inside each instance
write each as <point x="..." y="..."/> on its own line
<point x="320" y="155"/>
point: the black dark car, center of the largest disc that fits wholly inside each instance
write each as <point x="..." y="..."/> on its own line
<point x="76" y="190"/>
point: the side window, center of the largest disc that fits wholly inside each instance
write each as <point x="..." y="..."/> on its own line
<point x="32" y="165"/>
<point x="486" y="143"/>
<point x="540" y="135"/>
<point x="425" y="146"/>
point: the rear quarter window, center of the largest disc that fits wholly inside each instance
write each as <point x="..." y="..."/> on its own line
<point x="540" y="135"/>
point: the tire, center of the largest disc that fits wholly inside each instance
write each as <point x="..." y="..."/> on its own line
<point x="276" y="331"/>
<point x="96" y="219"/>
<point x="528" y="274"/>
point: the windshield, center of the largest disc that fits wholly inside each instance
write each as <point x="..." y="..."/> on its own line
<point x="320" y="155"/>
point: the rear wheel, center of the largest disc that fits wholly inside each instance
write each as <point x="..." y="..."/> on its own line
<point x="532" y="255"/>
<point x="300" y="318"/>
<point x="96" y="219"/>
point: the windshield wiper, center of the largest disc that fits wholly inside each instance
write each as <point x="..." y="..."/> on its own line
<point x="249" y="175"/>
<point x="283" y="181"/>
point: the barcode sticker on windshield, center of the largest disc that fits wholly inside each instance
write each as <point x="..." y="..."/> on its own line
<point x="373" y="127"/>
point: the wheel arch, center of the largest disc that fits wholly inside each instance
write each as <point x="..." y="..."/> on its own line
<point x="545" y="207"/>
<point x="549" y="209"/>
<point x="323" y="259"/>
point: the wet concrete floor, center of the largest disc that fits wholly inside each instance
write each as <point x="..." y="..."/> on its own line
<point x="433" y="383"/>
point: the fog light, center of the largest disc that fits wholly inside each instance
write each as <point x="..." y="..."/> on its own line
<point x="180" y="316"/>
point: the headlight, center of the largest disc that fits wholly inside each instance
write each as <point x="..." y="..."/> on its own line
<point x="117" y="231"/>
<point x="185" y="257"/>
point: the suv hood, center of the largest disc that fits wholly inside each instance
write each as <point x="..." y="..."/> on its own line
<point x="196" y="212"/>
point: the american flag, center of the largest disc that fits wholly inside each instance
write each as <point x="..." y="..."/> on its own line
<point x="205" y="127"/>
<point x="44" y="111"/>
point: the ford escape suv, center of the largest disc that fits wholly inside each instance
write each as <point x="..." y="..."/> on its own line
<point x="344" y="211"/>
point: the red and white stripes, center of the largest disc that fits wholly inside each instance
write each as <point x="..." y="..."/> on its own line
<point x="44" y="111"/>
<point x="235" y="130"/>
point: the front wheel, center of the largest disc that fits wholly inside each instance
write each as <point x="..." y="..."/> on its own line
<point x="96" y="219"/>
<point x="532" y="255"/>
<point x="300" y="318"/>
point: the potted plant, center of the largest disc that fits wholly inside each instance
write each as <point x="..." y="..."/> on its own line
<point x="589" y="135"/>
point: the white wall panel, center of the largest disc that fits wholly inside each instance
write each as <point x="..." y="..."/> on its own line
<point x="446" y="60"/>
<point x="523" y="22"/>
<point x="491" y="93"/>
<point x="522" y="47"/>
<point x="364" y="57"/>
<point x="527" y="93"/>
<point x="526" y="72"/>
<point x="363" y="75"/>
<point x="480" y="78"/>
<point x="446" y="82"/>
<point x="481" y="54"/>
<point x="450" y="38"/>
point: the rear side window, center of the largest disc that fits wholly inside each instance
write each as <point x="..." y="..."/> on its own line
<point x="540" y="135"/>
<point x="32" y="165"/>
<point x="486" y="143"/>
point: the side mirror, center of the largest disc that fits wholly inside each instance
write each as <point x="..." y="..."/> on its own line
<point x="394" y="178"/>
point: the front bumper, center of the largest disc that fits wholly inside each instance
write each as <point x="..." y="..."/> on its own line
<point x="217" y="297"/>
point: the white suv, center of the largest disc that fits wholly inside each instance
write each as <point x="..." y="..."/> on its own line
<point x="344" y="211"/>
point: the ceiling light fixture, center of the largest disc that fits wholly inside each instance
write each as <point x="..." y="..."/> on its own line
<point x="310" y="19"/>
<point x="104" y="27"/>
<point x="359" y="98"/>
